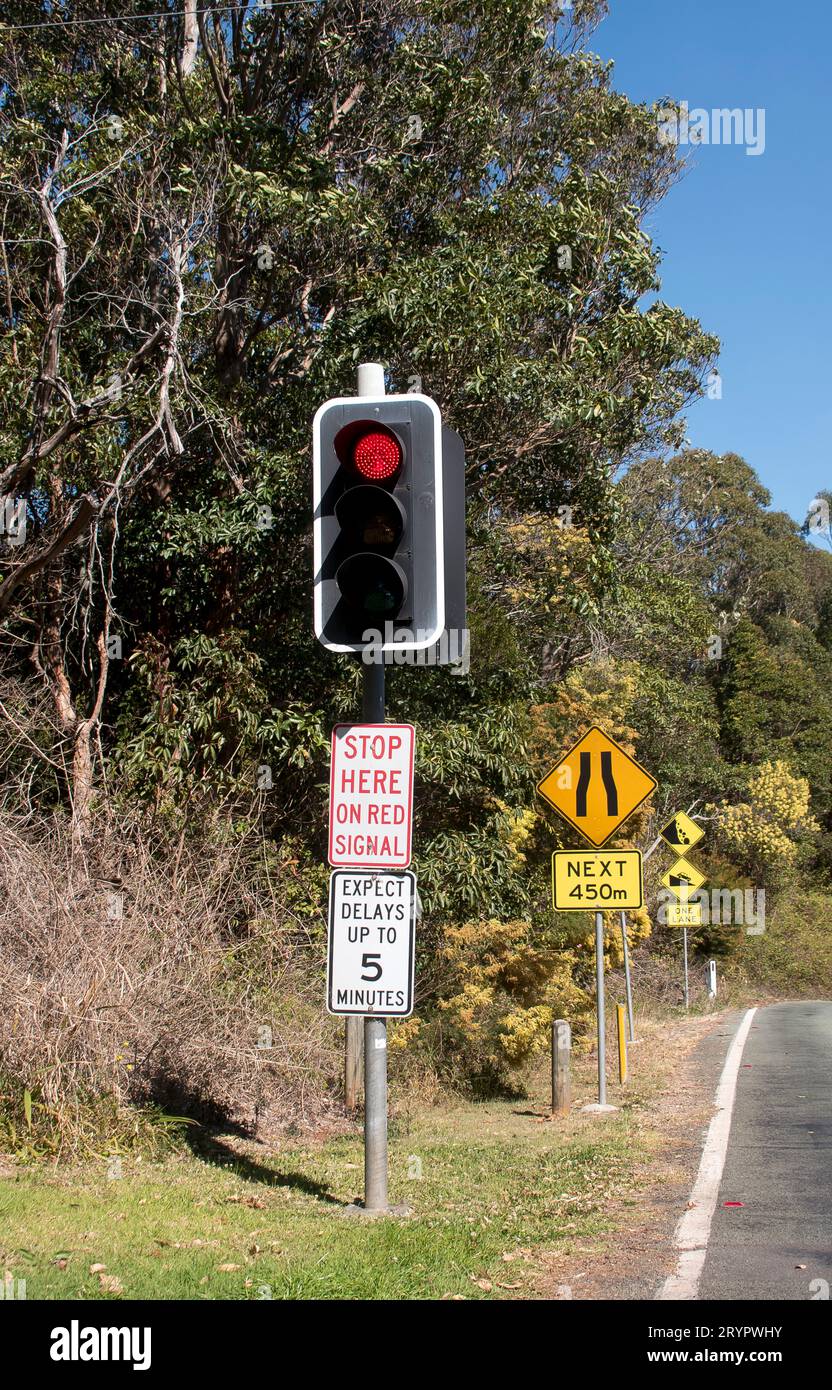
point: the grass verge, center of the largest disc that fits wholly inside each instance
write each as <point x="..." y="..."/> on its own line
<point x="502" y="1189"/>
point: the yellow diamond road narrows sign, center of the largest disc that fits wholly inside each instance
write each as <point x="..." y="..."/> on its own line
<point x="682" y="833"/>
<point x="683" y="878"/>
<point x="596" y="786"/>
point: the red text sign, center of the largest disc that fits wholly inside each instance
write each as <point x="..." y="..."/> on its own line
<point x="371" y="796"/>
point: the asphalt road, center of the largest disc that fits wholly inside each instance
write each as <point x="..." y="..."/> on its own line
<point x="778" y="1164"/>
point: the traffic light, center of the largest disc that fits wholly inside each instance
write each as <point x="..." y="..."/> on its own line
<point x="379" y="523"/>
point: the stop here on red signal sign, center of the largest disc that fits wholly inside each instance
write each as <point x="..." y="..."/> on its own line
<point x="371" y="796"/>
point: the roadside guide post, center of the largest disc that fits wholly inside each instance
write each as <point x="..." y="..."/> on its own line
<point x="627" y="979"/>
<point x="596" y="786"/>
<point x="622" y="1045"/>
<point x="353" y="1060"/>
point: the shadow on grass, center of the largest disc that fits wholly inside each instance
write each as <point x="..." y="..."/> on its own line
<point x="211" y="1149"/>
<point x="202" y="1137"/>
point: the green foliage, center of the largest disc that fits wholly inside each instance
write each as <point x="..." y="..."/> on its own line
<point x="91" y="1127"/>
<point x="764" y="680"/>
<point x="326" y="187"/>
<point x="793" y="957"/>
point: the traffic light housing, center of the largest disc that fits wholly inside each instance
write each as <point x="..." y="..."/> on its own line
<point x="379" y="535"/>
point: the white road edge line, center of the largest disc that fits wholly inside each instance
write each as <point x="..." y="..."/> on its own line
<point x="694" y="1228"/>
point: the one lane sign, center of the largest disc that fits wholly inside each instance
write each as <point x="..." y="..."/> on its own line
<point x="372" y="942"/>
<point x="371" y="796"/>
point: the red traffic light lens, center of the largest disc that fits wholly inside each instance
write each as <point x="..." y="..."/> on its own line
<point x="377" y="455"/>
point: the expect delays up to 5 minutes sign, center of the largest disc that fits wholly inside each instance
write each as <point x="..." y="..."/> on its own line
<point x="371" y="943"/>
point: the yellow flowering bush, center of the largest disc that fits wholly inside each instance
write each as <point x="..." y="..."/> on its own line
<point x="553" y="564"/>
<point x="639" y="928"/>
<point x="519" y="826"/>
<point x="502" y="987"/>
<point x="768" y="831"/>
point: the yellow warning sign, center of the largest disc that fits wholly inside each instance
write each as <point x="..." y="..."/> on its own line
<point x="684" y="914"/>
<point x="584" y="879"/>
<point x="683" y="879"/>
<point x="682" y="833"/>
<point x="596" y="786"/>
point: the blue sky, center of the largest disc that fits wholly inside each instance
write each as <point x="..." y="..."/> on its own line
<point x="748" y="239"/>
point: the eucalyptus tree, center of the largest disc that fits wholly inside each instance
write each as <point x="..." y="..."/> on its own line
<point x="209" y="216"/>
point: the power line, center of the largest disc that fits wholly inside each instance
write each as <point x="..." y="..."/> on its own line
<point x="263" y="7"/>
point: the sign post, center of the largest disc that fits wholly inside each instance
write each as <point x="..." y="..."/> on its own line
<point x="683" y="878"/>
<point x="596" y="786"/>
<point x="375" y="1029"/>
<point x="600" y="1006"/>
<point x="370" y="827"/>
<point x="370" y="973"/>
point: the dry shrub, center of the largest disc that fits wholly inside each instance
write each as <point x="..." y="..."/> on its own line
<point x="147" y="968"/>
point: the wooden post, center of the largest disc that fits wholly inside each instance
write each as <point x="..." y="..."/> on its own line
<point x="353" y="1060"/>
<point x="561" y="1061"/>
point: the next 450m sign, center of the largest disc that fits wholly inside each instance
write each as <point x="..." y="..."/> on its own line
<point x="583" y="879"/>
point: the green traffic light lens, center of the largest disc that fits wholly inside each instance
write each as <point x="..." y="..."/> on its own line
<point x="372" y="584"/>
<point x="381" y="599"/>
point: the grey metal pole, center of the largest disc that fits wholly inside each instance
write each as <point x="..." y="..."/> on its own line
<point x="375" y="1114"/>
<point x="372" y="692"/>
<point x="371" y="383"/>
<point x="375" y="1029"/>
<point x="687" y="993"/>
<point x="599" y="996"/>
<point x="627" y="980"/>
